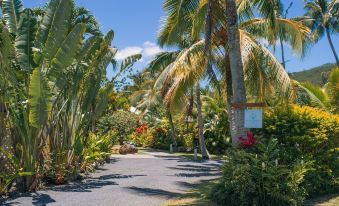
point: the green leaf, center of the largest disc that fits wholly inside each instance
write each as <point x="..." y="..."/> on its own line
<point x="128" y="62"/>
<point x="103" y="100"/>
<point x="59" y="28"/>
<point x="317" y="95"/>
<point x="109" y="37"/>
<point x="25" y="39"/>
<point x="39" y="101"/>
<point x="54" y="27"/>
<point x="67" y="51"/>
<point x="11" y="10"/>
<point x="22" y="174"/>
<point x="88" y="48"/>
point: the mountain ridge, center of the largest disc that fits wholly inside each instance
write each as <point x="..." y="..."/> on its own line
<point x="316" y="75"/>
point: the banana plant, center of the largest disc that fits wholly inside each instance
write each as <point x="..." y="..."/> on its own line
<point x="59" y="86"/>
<point x="44" y="50"/>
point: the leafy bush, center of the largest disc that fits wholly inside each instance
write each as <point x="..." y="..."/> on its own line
<point x="217" y="133"/>
<point x="124" y="123"/>
<point x="310" y="134"/>
<point x="256" y="177"/>
<point x="9" y="170"/>
<point x="99" y="149"/>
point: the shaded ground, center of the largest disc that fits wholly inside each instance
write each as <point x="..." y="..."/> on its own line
<point x="147" y="179"/>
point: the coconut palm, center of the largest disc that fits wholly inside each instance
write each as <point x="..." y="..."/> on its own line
<point x="190" y="65"/>
<point x="323" y="17"/>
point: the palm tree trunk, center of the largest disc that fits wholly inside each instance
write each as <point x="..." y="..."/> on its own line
<point x="282" y="53"/>
<point x="332" y="46"/>
<point x="229" y="95"/>
<point x="203" y="148"/>
<point x="190" y="109"/>
<point x="238" y="80"/>
<point x="173" y="134"/>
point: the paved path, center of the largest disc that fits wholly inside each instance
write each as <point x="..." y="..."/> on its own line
<point x="148" y="179"/>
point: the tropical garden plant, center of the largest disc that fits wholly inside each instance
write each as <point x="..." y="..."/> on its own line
<point x="53" y="85"/>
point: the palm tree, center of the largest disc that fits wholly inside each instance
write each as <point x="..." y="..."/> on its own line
<point x="146" y="98"/>
<point x="191" y="64"/>
<point x="323" y="16"/>
<point x="236" y="65"/>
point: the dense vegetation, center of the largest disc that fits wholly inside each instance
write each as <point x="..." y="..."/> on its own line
<point x="53" y="88"/>
<point x="60" y="115"/>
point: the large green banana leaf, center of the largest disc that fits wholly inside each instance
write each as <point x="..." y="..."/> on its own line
<point x="66" y="53"/>
<point x="11" y="10"/>
<point x="25" y="39"/>
<point x="40" y="99"/>
<point x="54" y="27"/>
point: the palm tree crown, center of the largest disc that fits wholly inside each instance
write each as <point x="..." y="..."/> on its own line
<point x="324" y="19"/>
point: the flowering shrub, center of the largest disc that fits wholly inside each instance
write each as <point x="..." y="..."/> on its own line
<point x="142" y="129"/>
<point x="143" y="136"/>
<point x="311" y="134"/>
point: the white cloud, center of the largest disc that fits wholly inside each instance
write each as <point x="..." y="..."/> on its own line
<point x="128" y="51"/>
<point x="148" y="50"/>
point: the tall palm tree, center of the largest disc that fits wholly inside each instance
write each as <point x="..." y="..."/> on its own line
<point x="237" y="70"/>
<point x="190" y="65"/>
<point x="324" y="19"/>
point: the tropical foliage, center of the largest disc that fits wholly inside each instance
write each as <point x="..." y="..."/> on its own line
<point x="60" y="114"/>
<point x="54" y="88"/>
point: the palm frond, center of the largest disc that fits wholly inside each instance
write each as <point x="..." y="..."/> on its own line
<point x="270" y="73"/>
<point x="317" y="95"/>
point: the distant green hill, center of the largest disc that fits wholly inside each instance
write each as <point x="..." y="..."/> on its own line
<point x="317" y="75"/>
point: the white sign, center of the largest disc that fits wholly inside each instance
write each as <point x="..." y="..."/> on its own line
<point x="253" y="118"/>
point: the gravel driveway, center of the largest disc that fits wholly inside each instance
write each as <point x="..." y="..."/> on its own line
<point x="147" y="179"/>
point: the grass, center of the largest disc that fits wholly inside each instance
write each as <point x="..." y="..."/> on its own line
<point x="196" y="197"/>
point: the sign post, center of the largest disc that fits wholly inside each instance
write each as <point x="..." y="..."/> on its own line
<point x="253" y="117"/>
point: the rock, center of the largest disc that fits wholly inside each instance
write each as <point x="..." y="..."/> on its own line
<point x="128" y="149"/>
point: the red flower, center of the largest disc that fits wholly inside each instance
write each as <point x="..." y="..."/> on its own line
<point x="143" y="128"/>
<point x="249" y="142"/>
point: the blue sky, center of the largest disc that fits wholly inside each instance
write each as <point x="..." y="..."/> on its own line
<point x="136" y="23"/>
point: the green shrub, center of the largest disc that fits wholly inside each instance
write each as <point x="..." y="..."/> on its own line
<point x="310" y="134"/>
<point x="124" y="123"/>
<point x="98" y="149"/>
<point x="217" y="133"/>
<point x="253" y="177"/>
